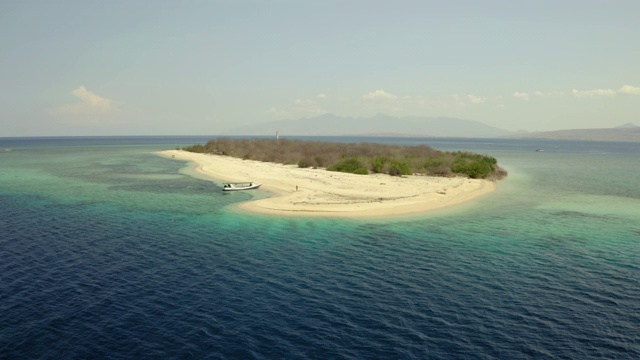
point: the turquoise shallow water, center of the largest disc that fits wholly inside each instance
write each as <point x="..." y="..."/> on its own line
<point x="109" y="251"/>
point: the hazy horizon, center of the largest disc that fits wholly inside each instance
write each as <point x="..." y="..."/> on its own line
<point x="204" y="67"/>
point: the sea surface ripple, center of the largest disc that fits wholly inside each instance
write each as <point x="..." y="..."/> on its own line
<point x="129" y="266"/>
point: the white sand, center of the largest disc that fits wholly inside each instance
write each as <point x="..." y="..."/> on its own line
<point x="317" y="192"/>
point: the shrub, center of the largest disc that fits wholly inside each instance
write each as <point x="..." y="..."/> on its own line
<point x="197" y="148"/>
<point x="398" y="168"/>
<point x="348" y="165"/>
<point x="377" y="164"/>
<point x="473" y="165"/>
<point x="440" y="171"/>
<point x="499" y="173"/>
<point x="319" y="161"/>
<point x="433" y="162"/>
<point x="302" y="163"/>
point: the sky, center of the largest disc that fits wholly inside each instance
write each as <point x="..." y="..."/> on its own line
<point x="76" y="68"/>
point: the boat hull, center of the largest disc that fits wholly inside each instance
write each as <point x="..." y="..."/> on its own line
<point x="240" y="186"/>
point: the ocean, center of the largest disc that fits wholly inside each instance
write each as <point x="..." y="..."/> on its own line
<point x="108" y="251"/>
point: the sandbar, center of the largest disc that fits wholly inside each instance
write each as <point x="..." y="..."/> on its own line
<point x="295" y="191"/>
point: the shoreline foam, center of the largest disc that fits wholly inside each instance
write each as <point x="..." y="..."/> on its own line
<point x="317" y="192"/>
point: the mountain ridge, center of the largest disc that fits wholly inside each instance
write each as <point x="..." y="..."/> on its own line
<point x="378" y="125"/>
<point x="415" y="126"/>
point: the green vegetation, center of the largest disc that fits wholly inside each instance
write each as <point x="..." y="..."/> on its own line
<point x="377" y="164"/>
<point x="398" y="168"/>
<point x="360" y="158"/>
<point x="350" y="165"/>
<point x="474" y="165"/>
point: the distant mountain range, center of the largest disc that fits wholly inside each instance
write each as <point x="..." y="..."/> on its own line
<point x="379" y="125"/>
<point x="625" y="132"/>
<point x="386" y="125"/>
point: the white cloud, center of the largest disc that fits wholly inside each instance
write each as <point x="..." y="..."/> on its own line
<point x="274" y="112"/>
<point x="628" y="89"/>
<point x="414" y="100"/>
<point x="593" y="93"/>
<point x="303" y="102"/>
<point x="95" y="101"/>
<point x="89" y="109"/>
<point x="378" y="95"/>
<point x="382" y="101"/>
<point x="415" y="104"/>
<point x="299" y="108"/>
<point x="521" y="95"/>
<point x="458" y="101"/>
<point x="473" y="99"/>
<point x="89" y="104"/>
<point x="308" y="107"/>
<point x="551" y="94"/>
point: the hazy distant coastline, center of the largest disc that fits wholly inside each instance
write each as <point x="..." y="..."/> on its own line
<point x="428" y="127"/>
<point x="378" y="125"/>
<point x="626" y="132"/>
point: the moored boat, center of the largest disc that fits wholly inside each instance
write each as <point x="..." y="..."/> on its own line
<point x="240" y="186"/>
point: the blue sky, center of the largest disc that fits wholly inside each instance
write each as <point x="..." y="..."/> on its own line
<point x="203" y="67"/>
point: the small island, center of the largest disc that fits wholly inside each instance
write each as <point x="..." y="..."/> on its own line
<point x="309" y="178"/>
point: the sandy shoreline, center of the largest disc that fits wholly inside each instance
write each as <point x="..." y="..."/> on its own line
<point x="333" y="194"/>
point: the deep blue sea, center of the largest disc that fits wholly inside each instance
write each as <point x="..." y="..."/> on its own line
<point x="108" y="251"/>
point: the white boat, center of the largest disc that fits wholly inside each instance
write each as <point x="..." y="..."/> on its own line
<point x="240" y="186"/>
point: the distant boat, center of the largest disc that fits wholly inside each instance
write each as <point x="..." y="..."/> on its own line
<point x="539" y="150"/>
<point x="240" y="186"/>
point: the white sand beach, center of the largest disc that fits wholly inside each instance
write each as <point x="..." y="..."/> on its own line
<point x="317" y="192"/>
